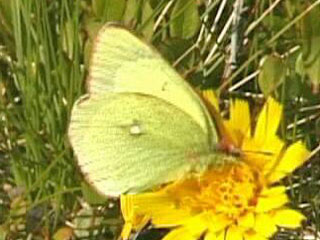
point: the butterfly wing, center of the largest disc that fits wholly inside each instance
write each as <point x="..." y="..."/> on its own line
<point x="121" y="62"/>
<point x="128" y="142"/>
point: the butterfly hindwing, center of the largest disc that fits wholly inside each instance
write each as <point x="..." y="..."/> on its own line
<point x="127" y="142"/>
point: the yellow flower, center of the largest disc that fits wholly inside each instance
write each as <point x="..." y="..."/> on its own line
<point x="235" y="201"/>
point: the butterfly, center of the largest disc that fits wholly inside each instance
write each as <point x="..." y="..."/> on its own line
<point x="141" y="124"/>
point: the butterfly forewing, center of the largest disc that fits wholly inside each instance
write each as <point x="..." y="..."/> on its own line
<point x="121" y="62"/>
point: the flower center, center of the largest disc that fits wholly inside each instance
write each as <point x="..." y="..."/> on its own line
<point x="231" y="190"/>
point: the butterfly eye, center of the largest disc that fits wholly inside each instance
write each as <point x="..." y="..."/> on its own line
<point x="228" y="148"/>
<point x="234" y="151"/>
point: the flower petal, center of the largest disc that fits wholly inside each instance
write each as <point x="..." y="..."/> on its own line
<point x="254" y="236"/>
<point x="271" y="191"/>
<point x="239" y="121"/>
<point x="126" y="207"/>
<point x="221" y="235"/>
<point x="133" y="221"/>
<point x="166" y="215"/>
<point x="234" y="233"/>
<point x="191" y="229"/>
<point x="126" y="230"/>
<point x="268" y="202"/>
<point x="167" y="218"/>
<point x="268" y="120"/>
<point x="210" y="236"/>
<point x="265" y="225"/>
<point x="180" y="233"/>
<point x="293" y="157"/>
<point x="149" y="202"/>
<point x="288" y="218"/>
<point x="158" y="205"/>
<point x="197" y="225"/>
<point x="217" y="222"/>
<point x="247" y="221"/>
<point x="225" y="133"/>
<point x="262" y="154"/>
<point x="211" y="97"/>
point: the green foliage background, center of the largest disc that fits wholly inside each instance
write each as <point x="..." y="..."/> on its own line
<point x="248" y="49"/>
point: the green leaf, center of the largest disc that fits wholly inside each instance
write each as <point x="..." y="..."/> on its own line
<point x="140" y="13"/>
<point x="272" y="74"/>
<point x="299" y="67"/>
<point x="147" y="20"/>
<point x="86" y="53"/>
<point x="19" y="173"/>
<point x="6" y="28"/>
<point x="109" y="10"/>
<point x="92" y="27"/>
<point x="274" y="23"/>
<point x="68" y="38"/>
<point x="173" y="48"/>
<point x="292" y="86"/>
<point x="184" y="19"/>
<point x="129" y="17"/>
<point x="311" y="47"/>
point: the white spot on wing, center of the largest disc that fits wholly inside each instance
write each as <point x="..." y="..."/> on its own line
<point x="135" y="129"/>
